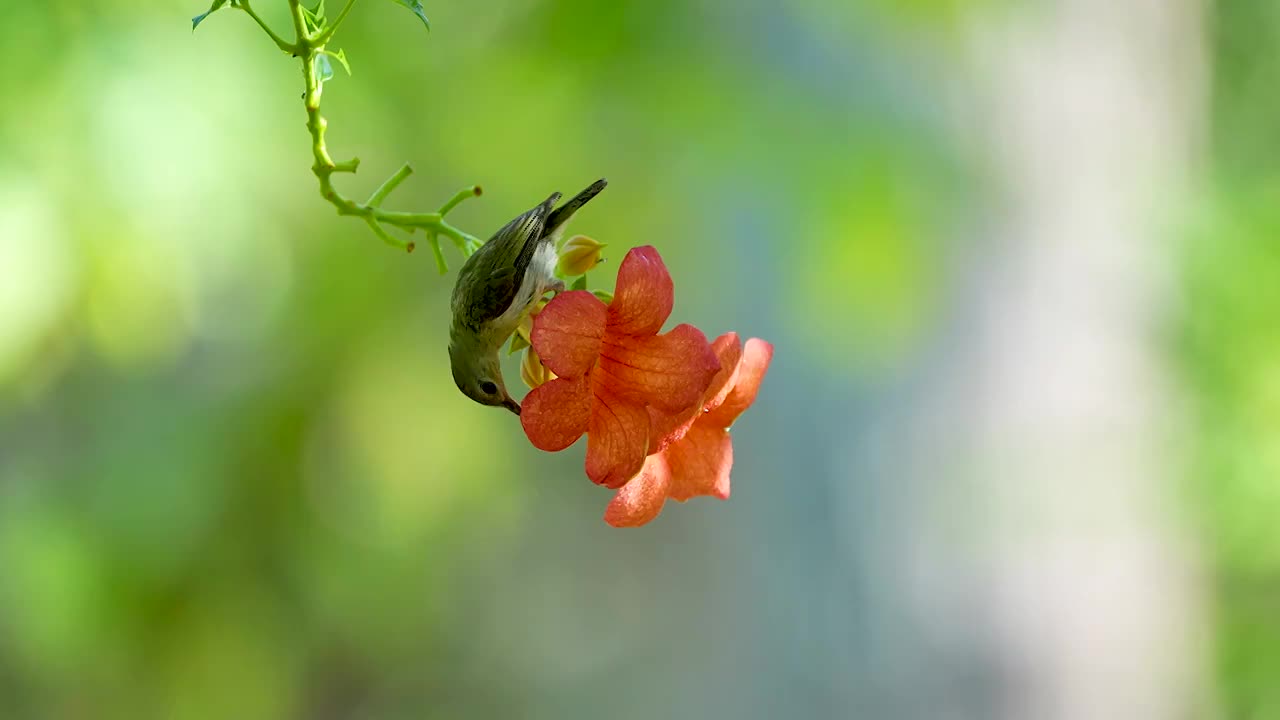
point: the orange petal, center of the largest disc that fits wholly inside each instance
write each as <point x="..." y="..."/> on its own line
<point x="640" y="500"/>
<point x="567" y="332"/>
<point x="700" y="463"/>
<point x="555" y="415"/>
<point x="728" y="349"/>
<point x="617" y="437"/>
<point x="670" y="371"/>
<point x="666" y="428"/>
<point x="756" y="356"/>
<point x="644" y="294"/>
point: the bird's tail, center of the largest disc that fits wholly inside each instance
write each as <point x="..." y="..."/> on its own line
<point x="561" y="215"/>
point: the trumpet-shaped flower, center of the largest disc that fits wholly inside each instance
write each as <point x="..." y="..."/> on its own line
<point x="691" y="451"/>
<point x="616" y="376"/>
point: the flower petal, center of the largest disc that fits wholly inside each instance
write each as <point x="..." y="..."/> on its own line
<point x="567" y="332"/>
<point x="756" y="356"/>
<point x="670" y="372"/>
<point x="644" y="294"/>
<point x="617" y="438"/>
<point x="555" y="415"/>
<point x="700" y="463"/>
<point x="640" y="500"/>
<point x="728" y="349"/>
<point x="667" y="428"/>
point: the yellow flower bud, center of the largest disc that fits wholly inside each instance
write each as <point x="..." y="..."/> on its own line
<point x="579" y="255"/>
<point x="532" y="371"/>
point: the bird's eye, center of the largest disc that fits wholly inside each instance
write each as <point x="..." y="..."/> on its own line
<point x="488" y="388"/>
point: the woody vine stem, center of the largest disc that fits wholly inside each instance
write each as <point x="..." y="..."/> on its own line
<point x="312" y="33"/>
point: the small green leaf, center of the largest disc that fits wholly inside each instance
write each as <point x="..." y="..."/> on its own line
<point x="580" y="283"/>
<point x="415" y="6"/>
<point x="217" y="5"/>
<point x="518" y="343"/>
<point x="604" y="296"/>
<point x="341" y="57"/>
<point x="324" y="70"/>
<point x="314" y="19"/>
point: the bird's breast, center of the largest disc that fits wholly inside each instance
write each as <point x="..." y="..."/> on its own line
<point x="538" y="278"/>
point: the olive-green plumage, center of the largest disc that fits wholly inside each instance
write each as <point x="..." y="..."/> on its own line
<point x="497" y="287"/>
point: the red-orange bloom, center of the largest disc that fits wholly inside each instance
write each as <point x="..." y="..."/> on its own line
<point x="613" y="368"/>
<point x="692" y="453"/>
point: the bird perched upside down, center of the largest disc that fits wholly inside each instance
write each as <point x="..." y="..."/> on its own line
<point x="497" y="287"/>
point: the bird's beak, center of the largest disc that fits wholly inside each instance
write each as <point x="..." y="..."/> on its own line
<point x="511" y="405"/>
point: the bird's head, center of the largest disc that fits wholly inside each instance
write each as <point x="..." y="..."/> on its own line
<point x="478" y="373"/>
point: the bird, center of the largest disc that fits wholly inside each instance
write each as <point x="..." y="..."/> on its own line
<point x="497" y="286"/>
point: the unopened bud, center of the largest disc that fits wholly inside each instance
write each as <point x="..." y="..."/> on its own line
<point x="532" y="371"/>
<point x="579" y="255"/>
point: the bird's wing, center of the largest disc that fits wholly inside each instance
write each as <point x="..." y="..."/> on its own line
<point x="493" y="295"/>
<point x="506" y="257"/>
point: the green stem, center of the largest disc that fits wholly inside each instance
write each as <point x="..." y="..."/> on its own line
<point x="299" y="23"/>
<point x="280" y="42"/>
<point x="434" y="241"/>
<point x="385" y="188"/>
<point x="323" y="165"/>
<point x="463" y="194"/>
<point x="386" y="236"/>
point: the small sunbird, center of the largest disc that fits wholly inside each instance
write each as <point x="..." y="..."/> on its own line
<point x="498" y="286"/>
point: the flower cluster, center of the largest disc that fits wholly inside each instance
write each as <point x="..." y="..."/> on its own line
<point x="655" y="408"/>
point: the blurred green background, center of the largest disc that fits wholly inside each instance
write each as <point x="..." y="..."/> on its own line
<point x="236" y="480"/>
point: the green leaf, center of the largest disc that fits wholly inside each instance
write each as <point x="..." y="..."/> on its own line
<point x="604" y="296"/>
<point x="518" y="343"/>
<point x="324" y="70"/>
<point x="217" y="5"/>
<point x="415" y="6"/>
<point x="580" y="283"/>
<point x="341" y="57"/>
<point x="314" y="19"/>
